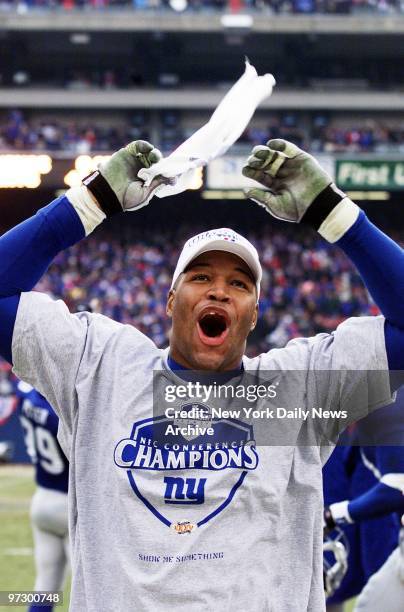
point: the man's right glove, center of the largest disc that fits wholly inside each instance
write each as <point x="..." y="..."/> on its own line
<point x="116" y="185"/>
<point x="298" y="189"/>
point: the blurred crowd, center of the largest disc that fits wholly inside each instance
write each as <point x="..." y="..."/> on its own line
<point x="64" y="135"/>
<point x="366" y="136"/>
<point x="308" y="286"/>
<point x="85" y="136"/>
<point x="273" y="6"/>
<point x="325" y="135"/>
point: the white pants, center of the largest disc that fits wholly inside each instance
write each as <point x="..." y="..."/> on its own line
<point x="51" y="539"/>
<point x="385" y="589"/>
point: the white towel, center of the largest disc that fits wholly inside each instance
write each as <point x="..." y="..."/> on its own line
<point x="225" y="126"/>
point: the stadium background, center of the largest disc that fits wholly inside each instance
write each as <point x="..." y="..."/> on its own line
<point x="79" y="79"/>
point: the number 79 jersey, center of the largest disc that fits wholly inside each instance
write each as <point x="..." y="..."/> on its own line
<point x="40" y="427"/>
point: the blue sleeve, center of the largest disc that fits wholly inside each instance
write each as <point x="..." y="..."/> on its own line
<point x="394" y="338"/>
<point x="8" y="313"/>
<point x="382" y="499"/>
<point x="26" y="252"/>
<point x="378" y="501"/>
<point x="380" y="262"/>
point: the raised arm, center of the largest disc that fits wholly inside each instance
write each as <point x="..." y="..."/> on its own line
<point x="28" y="249"/>
<point x="300" y="191"/>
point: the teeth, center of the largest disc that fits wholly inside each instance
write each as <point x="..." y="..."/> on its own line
<point x="210" y="314"/>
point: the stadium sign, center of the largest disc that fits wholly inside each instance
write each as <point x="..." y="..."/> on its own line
<point x="370" y="174"/>
<point x="225" y="173"/>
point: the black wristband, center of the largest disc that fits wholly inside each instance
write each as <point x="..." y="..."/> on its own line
<point x="322" y="205"/>
<point x="328" y="519"/>
<point x="103" y="193"/>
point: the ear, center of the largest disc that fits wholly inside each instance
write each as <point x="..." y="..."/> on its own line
<point x="255" y="318"/>
<point x="170" y="303"/>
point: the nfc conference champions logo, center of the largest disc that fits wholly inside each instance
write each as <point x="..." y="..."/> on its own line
<point x="187" y="482"/>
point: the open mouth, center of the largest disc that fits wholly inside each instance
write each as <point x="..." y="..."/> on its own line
<point x="213" y="328"/>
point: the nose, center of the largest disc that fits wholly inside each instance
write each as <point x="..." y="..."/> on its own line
<point x="218" y="292"/>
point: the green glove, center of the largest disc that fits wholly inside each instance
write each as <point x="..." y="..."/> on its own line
<point x="299" y="189"/>
<point x="115" y="184"/>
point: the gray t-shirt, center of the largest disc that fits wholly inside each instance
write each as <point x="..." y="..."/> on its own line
<point x="157" y="529"/>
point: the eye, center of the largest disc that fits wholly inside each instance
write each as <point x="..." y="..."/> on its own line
<point x="199" y="277"/>
<point x="239" y="283"/>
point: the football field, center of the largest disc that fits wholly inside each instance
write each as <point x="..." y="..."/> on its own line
<point x="16" y="552"/>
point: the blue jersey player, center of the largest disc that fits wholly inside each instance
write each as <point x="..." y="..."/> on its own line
<point x="49" y="504"/>
<point x="363" y="489"/>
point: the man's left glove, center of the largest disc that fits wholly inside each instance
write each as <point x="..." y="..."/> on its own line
<point x="116" y="185"/>
<point x="298" y="189"/>
<point x="328" y="521"/>
<point x="336" y="514"/>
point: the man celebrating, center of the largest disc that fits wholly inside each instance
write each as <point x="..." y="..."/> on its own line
<point x="207" y="521"/>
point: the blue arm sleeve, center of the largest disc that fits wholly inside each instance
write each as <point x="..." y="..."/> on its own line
<point x="8" y="313"/>
<point x="380" y="262"/>
<point x="383" y="499"/>
<point x="394" y="338"/>
<point x="26" y="252"/>
<point x="378" y="501"/>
